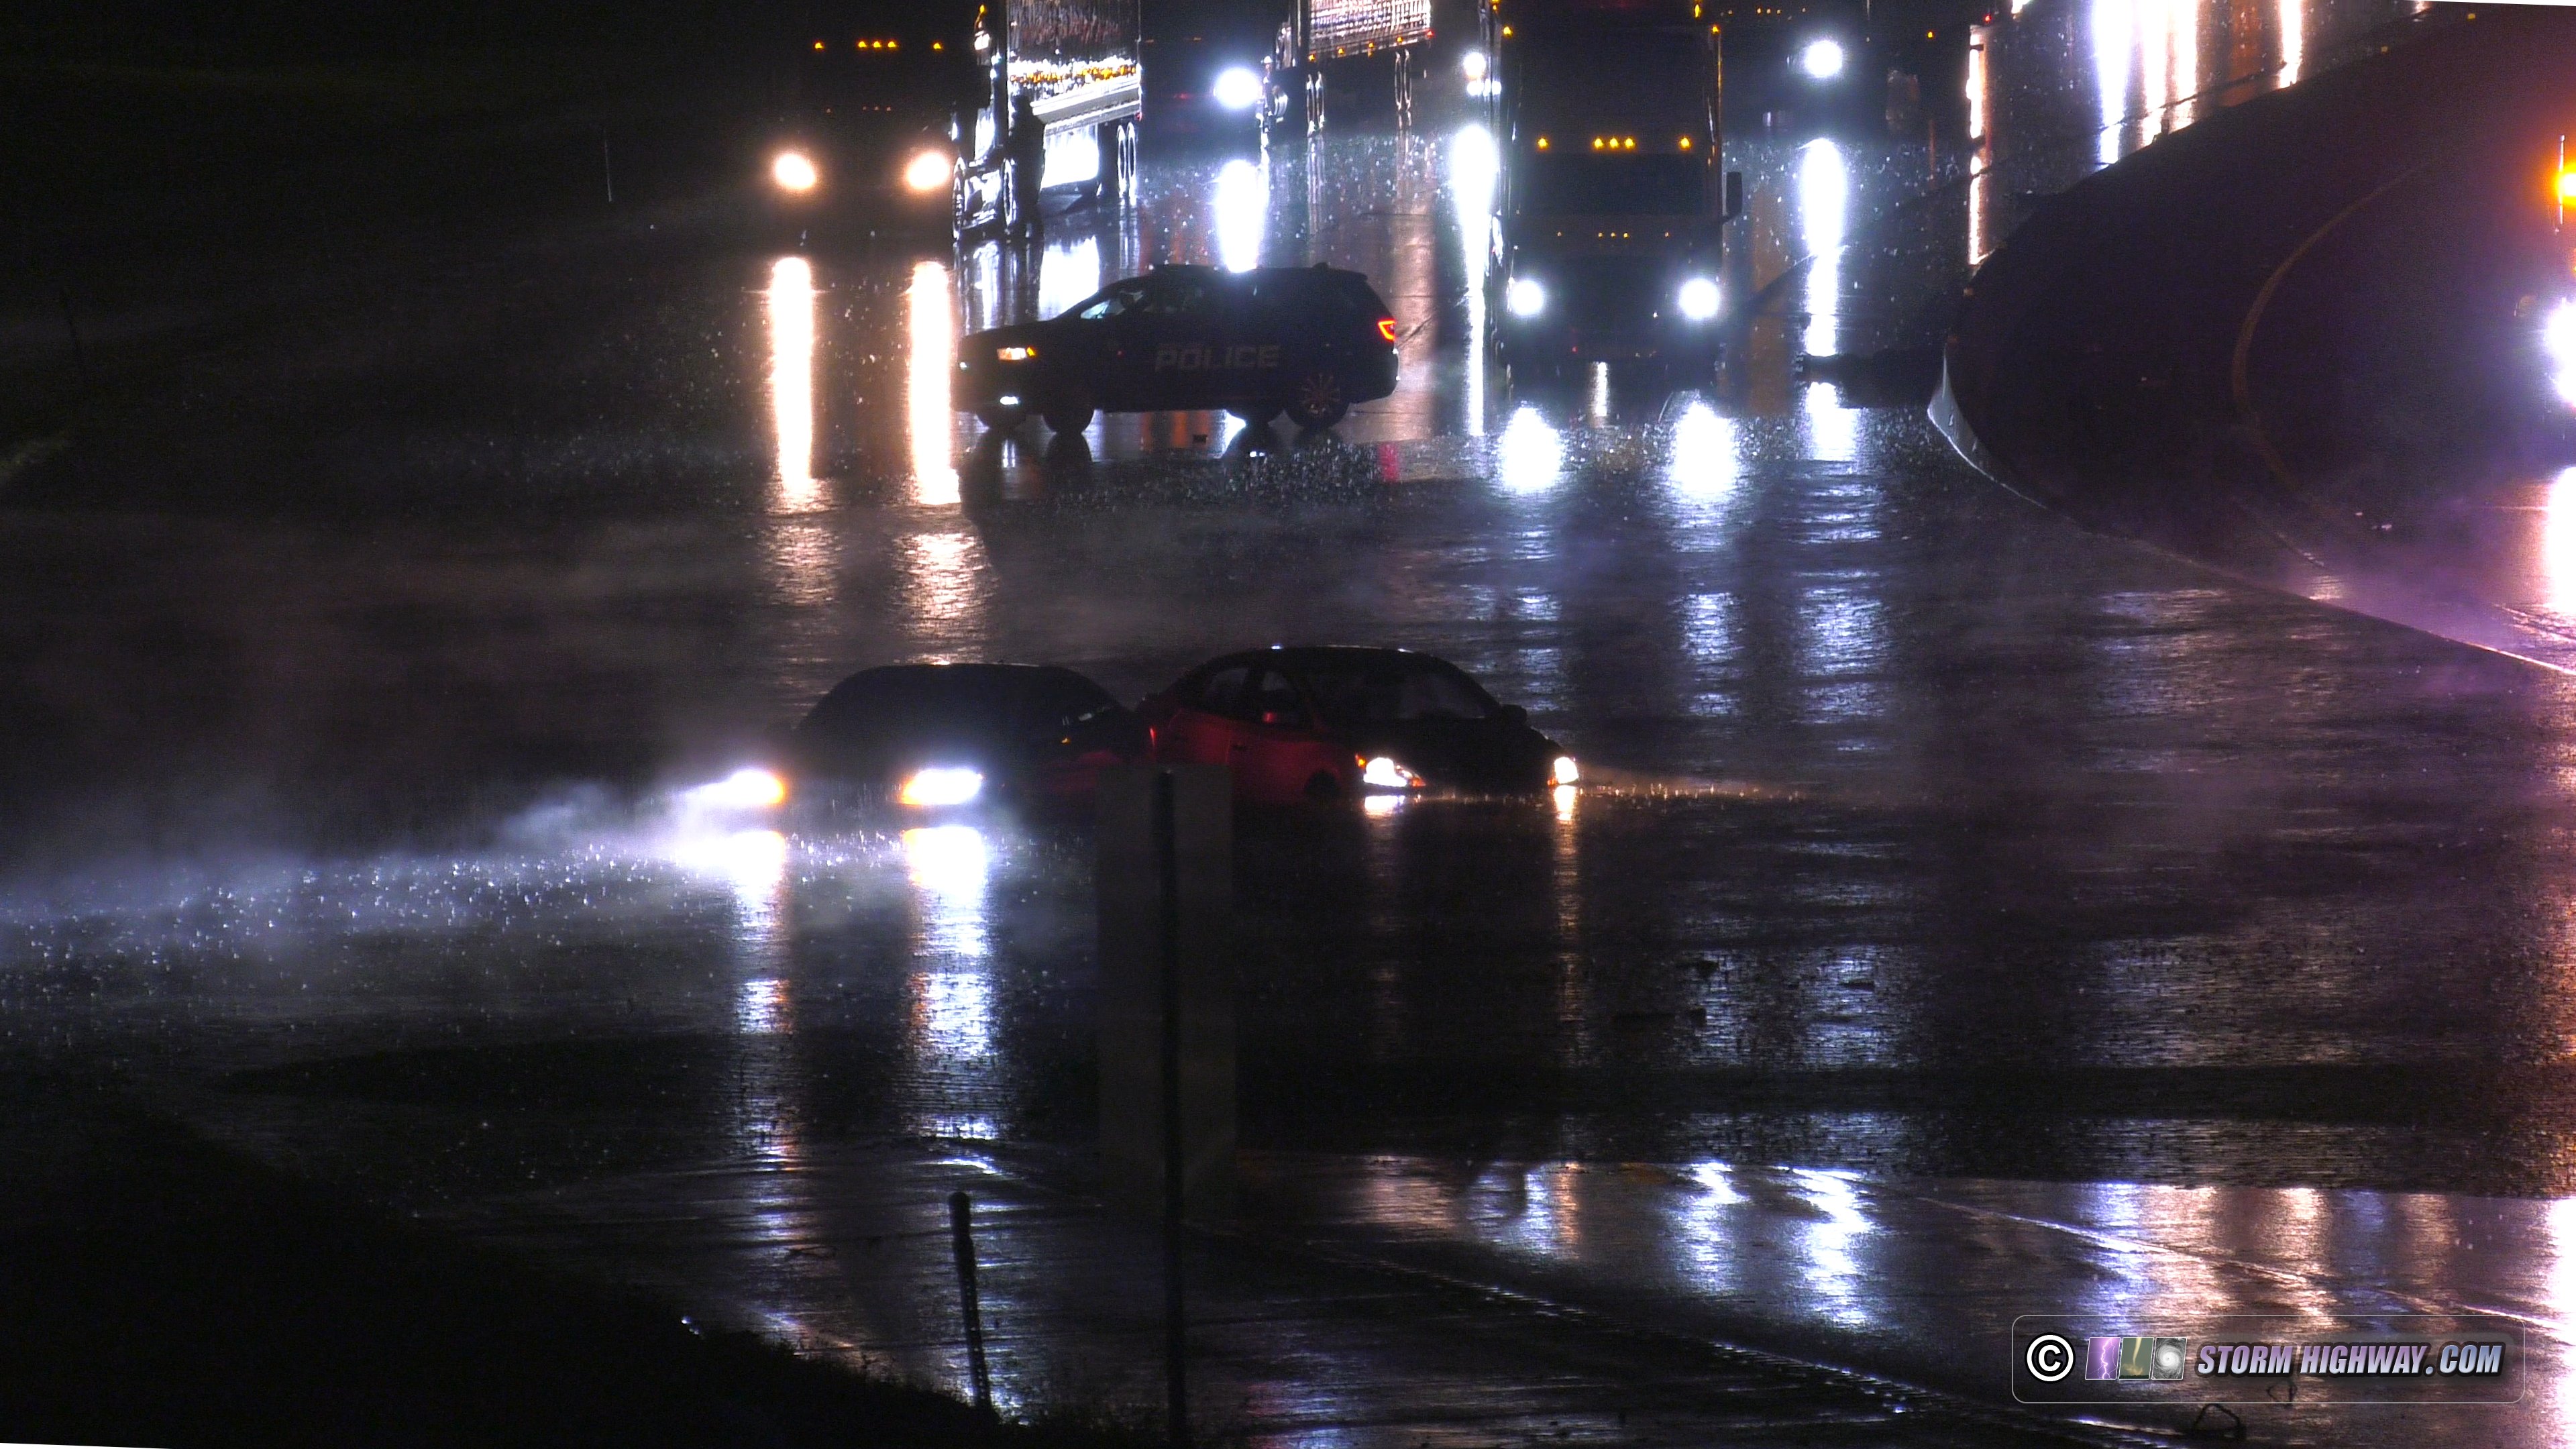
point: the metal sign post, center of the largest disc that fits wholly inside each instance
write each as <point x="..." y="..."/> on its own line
<point x="1167" y="1124"/>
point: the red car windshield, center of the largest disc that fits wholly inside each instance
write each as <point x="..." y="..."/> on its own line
<point x="1386" y="692"/>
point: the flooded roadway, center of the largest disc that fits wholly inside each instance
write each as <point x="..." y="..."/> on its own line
<point x="1944" y="841"/>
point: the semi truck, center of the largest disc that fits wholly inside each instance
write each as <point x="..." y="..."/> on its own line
<point x="1614" y="196"/>
<point x="926" y="112"/>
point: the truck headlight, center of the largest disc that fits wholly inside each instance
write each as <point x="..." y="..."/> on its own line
<point x="927" y="172"/>
<point x="1566" y="772"/>
<point x="793" y="171"/>
<point x="1698" y="299"/>
<point x="1382" y="773"/>
<point x="1237" y="88"/>
<point x="1822" y="59"/>
<point x="1525" y="297"/>
<point x="941" y="785"/>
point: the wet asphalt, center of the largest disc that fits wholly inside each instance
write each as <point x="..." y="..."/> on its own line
<point x="361" y="673"/>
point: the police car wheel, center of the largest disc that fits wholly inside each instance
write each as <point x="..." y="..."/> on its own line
<point x="1317" y="401"/>
<point x="1071" y="418"/>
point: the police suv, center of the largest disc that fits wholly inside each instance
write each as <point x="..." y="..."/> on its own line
<point x="1306" y="341"/>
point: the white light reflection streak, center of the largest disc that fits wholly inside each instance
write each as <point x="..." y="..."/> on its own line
<point x="950" y="867"/>
<point x="791" y="380"/>
<point x="1474" y="166"/>
<point x="2154" y="21"/>
<point x="940" y="588"/>
<point x="1069" y="272"/>
<point x="2558" y="544"/>
<point x="2558" y="1295"/>
<point x="931" y="324"/>
<point x="1702" y="466"/>
<point x="1981" y="161"/>
<point x="1531" y="452"/>
<point x="760" y="1007"/>
<point x="1831" y="1269"/>
<point x="1242" y="214"/>
<point x="2184" y="89"/>
<point x="1824" y="202"/>
<point x="1709" y="1244"/>
<point x="2111" y="73"/>
<point x="753" y="865"/>
<point x="2294" y="39"/>
<point x="1823" y="199"/>
<point x="2558" y="339"/>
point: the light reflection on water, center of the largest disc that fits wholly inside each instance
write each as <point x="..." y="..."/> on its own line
<point x="1702" y="462"/>
<point x="950" y="983"/>
<point x="1474" y="167"/>
<point x="930" y="324"/>
<point x="1530" y="454"/>
<point x="2558" y="544"/>
<point x="791" y="381"/>
<point x="1242" y="214"/>
<point x="1824" y="203"/>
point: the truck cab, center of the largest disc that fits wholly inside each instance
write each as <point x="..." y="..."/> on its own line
<point x="1614" y="196"/>
<point x="902" y="114"/>
<point x="865" y="129"/>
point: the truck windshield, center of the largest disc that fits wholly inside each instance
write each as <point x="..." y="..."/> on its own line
<point x="859" y="84"/>
<point x="1589" y="185"/>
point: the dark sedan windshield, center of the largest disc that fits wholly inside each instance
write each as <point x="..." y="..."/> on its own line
<point x="1386" y="691"/>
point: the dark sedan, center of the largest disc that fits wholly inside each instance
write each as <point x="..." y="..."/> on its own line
<point x="1323" y="723"/>
<point x="954" y="736"/>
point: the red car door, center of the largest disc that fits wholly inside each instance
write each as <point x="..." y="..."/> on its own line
<point x="1200" y="729"/>
<point x="1280" y="754"/>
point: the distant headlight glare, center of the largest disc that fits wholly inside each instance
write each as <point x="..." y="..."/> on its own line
<point x="1237" y="88"/>
<point x="1698" y="299"/>
<point x="1525" y="297"/>
<point x="941" y="785"/>
<point x="1565" y="772"/>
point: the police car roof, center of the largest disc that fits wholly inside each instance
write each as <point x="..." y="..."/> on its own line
<point x="1319" y="269"/>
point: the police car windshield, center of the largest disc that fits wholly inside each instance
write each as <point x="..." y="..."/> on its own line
<point x="1178" y="291"/>
<point x="1387" y="691"/>
<point x="1109" y="302"/>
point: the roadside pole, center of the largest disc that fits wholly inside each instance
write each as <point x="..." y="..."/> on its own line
<point x="1167" y="1118"/>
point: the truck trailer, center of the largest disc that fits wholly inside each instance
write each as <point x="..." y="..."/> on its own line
<point x="1315" y="36"/>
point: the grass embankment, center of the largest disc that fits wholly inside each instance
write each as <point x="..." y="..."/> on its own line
<point x="157" y="1289"/>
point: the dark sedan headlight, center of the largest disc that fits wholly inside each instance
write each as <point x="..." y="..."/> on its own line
<point x="1525" y="297"/>
<point x="940" y="785"/>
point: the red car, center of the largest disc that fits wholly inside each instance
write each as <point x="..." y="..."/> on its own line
<point x="1331" y="723"/>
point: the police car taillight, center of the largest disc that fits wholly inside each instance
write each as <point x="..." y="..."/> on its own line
<point x="1386" y="328"/>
